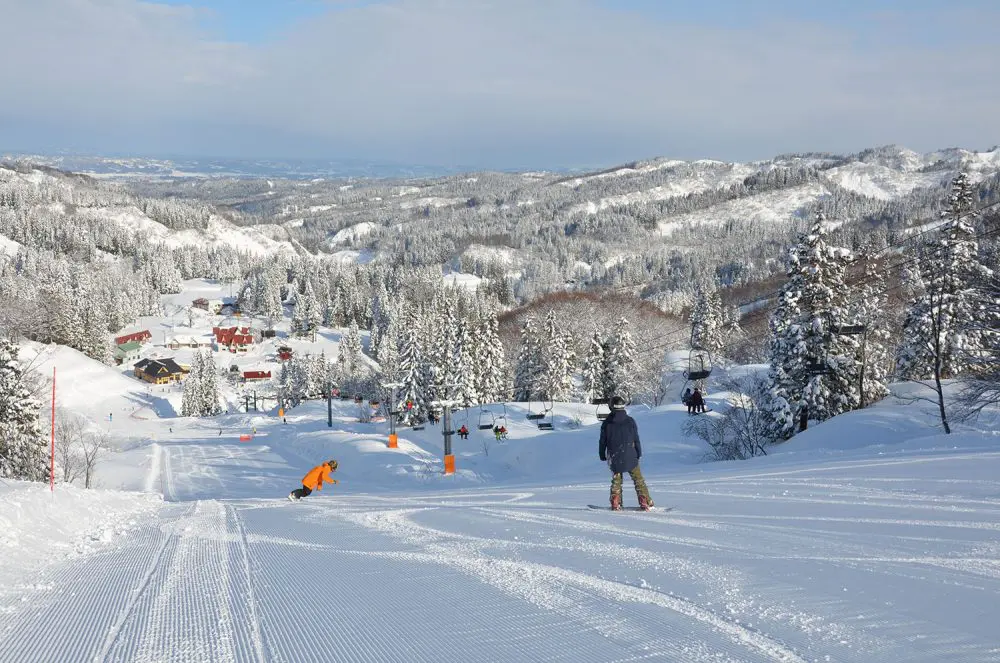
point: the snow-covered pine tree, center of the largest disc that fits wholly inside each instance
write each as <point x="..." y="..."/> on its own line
<point x="555" y="380"/>
<point x="442" y="356"/>
<point x="464" y="360"/>
<point x="811" y="366"/>
<point x="388" y="353"/>
<point x="940" y="336"/>
<point x="528" y="368"/>
<point x="301" y="378"/>
<point x="23" y="445"/>
<point x="210" y="405"/>
<point x="191" y="399"/>
<point x="707" y="322"/>
<point x="284" y="382"/>
<point x="349" y="363"/>
<point x="303" y="314"/>
<point x="873" y="362"/>
<point x="413" y="368"/>
<point x="593" y="369"/>
<point x="493" y="385"/>
<point x="313" y="315"/>
<point x="620" y="362"/>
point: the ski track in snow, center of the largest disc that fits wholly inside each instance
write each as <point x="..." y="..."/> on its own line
<point x="758" y="566"/>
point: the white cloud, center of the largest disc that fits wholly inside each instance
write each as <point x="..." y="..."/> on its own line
<point x="492" y="80"/>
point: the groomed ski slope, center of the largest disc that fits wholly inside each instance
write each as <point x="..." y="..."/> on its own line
<point x="870" y="538"/>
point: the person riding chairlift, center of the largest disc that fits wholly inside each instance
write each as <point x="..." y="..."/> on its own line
<point x="463" y="432"/>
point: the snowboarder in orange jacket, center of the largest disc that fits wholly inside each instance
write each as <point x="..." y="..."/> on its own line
<point x="314" y="479"/>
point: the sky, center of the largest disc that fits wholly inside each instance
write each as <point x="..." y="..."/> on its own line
<point x="496" y="83"/>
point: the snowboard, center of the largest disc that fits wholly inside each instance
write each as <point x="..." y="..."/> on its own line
<point x="655" y="509"/>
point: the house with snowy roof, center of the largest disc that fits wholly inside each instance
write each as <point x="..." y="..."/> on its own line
<point x="233" y="339"/>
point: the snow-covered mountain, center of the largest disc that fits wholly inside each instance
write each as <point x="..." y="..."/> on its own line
<point x="66" y="199"/>
<point x="657" y="225"/>
<point x="643" y="222"/>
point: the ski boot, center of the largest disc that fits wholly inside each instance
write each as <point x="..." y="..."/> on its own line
<point x="645" y="503"/>
<point x="616" y="502"/>
<point x="292" y="497"/>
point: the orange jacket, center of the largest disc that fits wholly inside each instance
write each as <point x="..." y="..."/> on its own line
<point x="314" y="479"/>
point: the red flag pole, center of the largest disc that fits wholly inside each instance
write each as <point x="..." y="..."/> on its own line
<point x="52" y="457"/>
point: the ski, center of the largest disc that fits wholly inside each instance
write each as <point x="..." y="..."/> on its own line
<point x="655" y="509"/>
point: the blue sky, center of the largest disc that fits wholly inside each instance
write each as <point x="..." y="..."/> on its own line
<point x="498" y="83"/>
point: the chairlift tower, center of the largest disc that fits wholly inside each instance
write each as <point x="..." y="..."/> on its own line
<point x="393" y="412"/>
<point x="447" y="432"/>
<point x="446" y="404"/>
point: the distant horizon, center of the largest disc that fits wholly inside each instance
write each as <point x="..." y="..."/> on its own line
<point x="444" y="169"/>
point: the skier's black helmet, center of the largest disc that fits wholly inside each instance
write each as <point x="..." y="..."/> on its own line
<point x="617" y="403"/>
<point x="332" y="464"/>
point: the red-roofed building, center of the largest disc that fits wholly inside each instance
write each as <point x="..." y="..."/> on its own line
<point x="140" y="336"/>
<point x="252" y="376"/>
<point x="234" y="339"/>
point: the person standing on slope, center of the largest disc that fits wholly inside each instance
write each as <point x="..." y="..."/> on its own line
<point x="314" y="480"/>
<point x="621" y="450"/>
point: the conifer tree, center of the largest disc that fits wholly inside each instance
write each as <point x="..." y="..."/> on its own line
<point x="707" y="321"/>
<point x="463" y="361"/>
<point x="528" y="368"/>
<point x="493" y="385"/>
<point x="593" y="369"/>
<point x="811" y="366"/>
<point x="555" y="379"/>
<point x="413" y="368"/>
<point x="620" y="368"/>
<point x="873" y="361"/>
<point x="23" y="445"/>
<point x="210" y="405"/>
<point x="938" y="341"/>
<point x="942" y="332"/>
<point x="191" y="399"/>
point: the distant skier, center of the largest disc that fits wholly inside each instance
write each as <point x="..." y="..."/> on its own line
<point x="314" y="480"/>
<point x="686" y="398"/>
<point x="620" y="449"/>
<point x="463" y="432"/>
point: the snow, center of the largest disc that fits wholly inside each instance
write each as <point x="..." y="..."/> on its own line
<point x="432" y="201"/>
<point x="350" y="257"/>
<point x="872" y="537"/>
<point x="503" y="254"/>
<point x="457" y="279"/>
<point x="712" y="175"/>
<point x="9" y="246"/>
<point x="771" y="207"/>
<point x="877" y="181"/>
<point x="352" y="234"/>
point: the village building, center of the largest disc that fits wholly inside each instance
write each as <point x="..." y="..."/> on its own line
<point x="127" y="352"/>
<point x="140" y="336"/>
<point x="256" y="376"/>
<point x="233" y="339"/>
<point x="210" y="305"/>
<point x="177" y="342"/>
<point x="159" y="371"/>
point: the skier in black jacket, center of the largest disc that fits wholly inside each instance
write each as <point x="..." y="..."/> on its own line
<point x="621" y="450"/>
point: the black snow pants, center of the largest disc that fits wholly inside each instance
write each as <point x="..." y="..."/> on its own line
<point x="299" y="493"/>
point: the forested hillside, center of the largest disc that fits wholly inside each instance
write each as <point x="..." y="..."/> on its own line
<point x="657" y="227"/>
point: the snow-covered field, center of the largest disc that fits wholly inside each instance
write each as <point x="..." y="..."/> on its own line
<point x="868" y="538"/>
